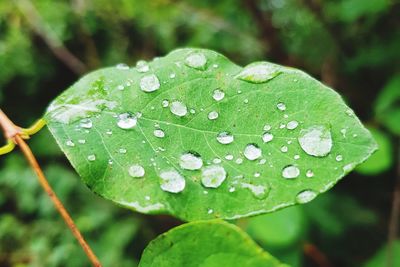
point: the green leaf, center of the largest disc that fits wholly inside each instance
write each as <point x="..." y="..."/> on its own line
<point x="382" y="160"/>
<point x="387" y="106"/>
<point x="196" y="136"/>
<point x="206" y="244"/>
<point x="380" y="259"/>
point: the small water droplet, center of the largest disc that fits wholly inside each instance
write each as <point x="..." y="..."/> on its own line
<point x="213" y="115"/>
<point x="252" y="152"/>
<point x="267" y="127"/>
<point x="210" y="211"/>
<point x="172" y="75"/>
<point x="159" y="133"/>
<point x="126" y="121"/>
<point x="291" y="125"/>
<point x="218" y="95"/>
<point x="217" y="161"/>
<point x="290" y="172"/>
<point x="232" y="189"/>
<point x="120" y="87"/>
<point x="178" y="108"/>
<point x="267" y="137"/>
<point x="190" y="161"/>
<point x="213" y="176"/>
<point x="316" y="140"/>
<point x="172" y="181"/>
<point x="149" y="83"/>
<point x="196" y="60"/>
<point x="229" y="157"/>
<point x="109" y="132"/>
<point x="91" y="157"/>
<point x="165" y="103"/>
<point x="142" y="66"/>
<point x="192" y="111"/>
<point x="86" y="123"/>
<point x="309" y="173"/>
<point x="246" y="101"/>
<point x="136" y="171"/>
<point x="284" y="149"/>
<point x="305" y="196"/>
<point x="82" y="141"/>
<point x="122" y="150"/>
<point x="70" y="143"/>
<point x="296" y="157"/>
<point x="258" y="72"/>
<point x="122" y="66"/>
<point x="225" y="138"/>
<point x="339" y="158"/>
<point x="281" y="106"/>
<point x="259" y="191"/>
<point x="239" y="161"/>
<point x="257" y="174"/>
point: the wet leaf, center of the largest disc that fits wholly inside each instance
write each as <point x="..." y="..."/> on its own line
<point x="198" y="137"/>
<point x="207" y="244"/>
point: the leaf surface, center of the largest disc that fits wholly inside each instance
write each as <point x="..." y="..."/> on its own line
<point x="198" y="137"/>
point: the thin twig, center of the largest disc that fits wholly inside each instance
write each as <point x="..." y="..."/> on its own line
<point x="316" y="255"/>
<point x="395" y="213"/>
<point x="13" y="132"/>
<point x="45" y="32"/>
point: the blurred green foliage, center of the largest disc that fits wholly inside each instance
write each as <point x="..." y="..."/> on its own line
<point x="352" y="45"/>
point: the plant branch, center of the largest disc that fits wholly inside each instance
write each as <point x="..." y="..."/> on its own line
<point x="45" y="32"/>
<point x="15" y="133"/>
<point x="395" y="213"/>
<point x="316" y="255"/>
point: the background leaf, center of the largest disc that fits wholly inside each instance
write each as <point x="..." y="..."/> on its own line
<point x="196" y="136"/>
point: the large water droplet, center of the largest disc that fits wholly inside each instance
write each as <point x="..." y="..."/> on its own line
<point x="252" y="152"/>
<point x="196" y="60"/>
<point x="142" y="66"/>
<point x="267" y="137"/>
<point x="258" y="72"/>
<point x="86" y="123"/>
<point x="316" y="140"/>
<point x="213" y="115"/>
<point x="159" y="133"/>
<point x="190" y="161"/>
<point x="290" y="172"/>
<point x="136" y="171"/>
<point x="213" y="176"/>
<point x="178" y="108"/>
<point x="172" y="181"/>
<point x="126" y="120"/>
<point x="259" y="191"/>
<point x="225" y="138"/>
<point x="149" y="83"/>
<point x="305" y="196"/>
<point x="218" y="95"/>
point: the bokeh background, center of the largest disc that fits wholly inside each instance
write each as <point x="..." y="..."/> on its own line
<point x="351" y="45"/>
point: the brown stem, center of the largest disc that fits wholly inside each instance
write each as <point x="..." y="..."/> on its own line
<point x="395" y="213"/>
<point x="316" y="255"/>
<point x="15" y="135"/>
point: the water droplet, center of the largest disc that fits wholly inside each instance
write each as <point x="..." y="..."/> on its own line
<point x="136" y="171"/>
<point x="212" y="115"/>
<point x="239" y="161"/>
<point x="229" y="157"/>
<point x="232" y="189"/>
<point x="165" y="103"/>
<point x="159" y="133"/>
<point x="172" y="75"/>
<point x="122" y="66"/>
<point x="126" y="120"/>
<point x="218" y="95"/>
<point x="82" y="141"/>
<point x="178" y="108"/>
<point x="290" y="172"/>
<point x="213" y="176"/>
<point x="192" y="111"/>
<point x="252" y="152"/>
<point x="267" y="137"/>
<point x="291" y="125"/>
<point x="190" y="161"/>
<point x="259" y="191"/>
<point x="172" y="181"/>
<point x="120" y="87"/>
<point x="267" y="127"/>
<point x="305" y="196"/>
<point x="86" y="123"/>
<point x="284" y="149"/>
<point x="257" y="174"/>
<point x="217" y="161"/>
<point x="142" y="66"/>
<point x="316" y="140"/>
<point x="91" y="157"/>
<point x="149" y="83"/>
<point x="215" y="66"/>
<point x="296" y="157"/>
<point x="309" y="173"/>
<point x="196" y="60"/>
<point x="109" y="132"/>
<point x="281" y="106"/>
<point x="122" y="150"/>
<point x="339" y="158"/>
<point x="225" y="138"/>
<point x="258" y="72"/>
<point x="70" y="143"/>
<point x="210" y="211"/>
<point x="246" y="101"/>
